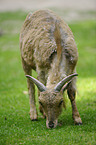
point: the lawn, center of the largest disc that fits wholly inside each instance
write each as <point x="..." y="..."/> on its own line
<point x="15" y="125"/>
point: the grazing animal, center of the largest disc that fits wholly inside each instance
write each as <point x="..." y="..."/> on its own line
<point x="47" y="46"/>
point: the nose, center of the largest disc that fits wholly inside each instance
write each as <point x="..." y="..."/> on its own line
<point x="51" y="124"/>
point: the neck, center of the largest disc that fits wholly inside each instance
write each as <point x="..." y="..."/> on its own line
<point x="55" y="74"/>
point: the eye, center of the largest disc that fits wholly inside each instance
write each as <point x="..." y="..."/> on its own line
<point x="60" y="103"/>
<point x="41" y="104"/>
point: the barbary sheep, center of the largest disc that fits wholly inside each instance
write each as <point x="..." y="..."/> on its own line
<point x="48" y="47"/>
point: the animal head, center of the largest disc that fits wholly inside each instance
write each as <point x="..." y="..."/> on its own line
<point x="52" y="104"/>
<point x="51" y="100"/>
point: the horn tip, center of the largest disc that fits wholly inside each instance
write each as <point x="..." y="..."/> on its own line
<point x="75" y="74"/>
<point x="28" y="76"/>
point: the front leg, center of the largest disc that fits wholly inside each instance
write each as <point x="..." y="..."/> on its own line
<point x="31" y="91"/>
<point x="75" y="114"/>
<point x="41" y="78"/>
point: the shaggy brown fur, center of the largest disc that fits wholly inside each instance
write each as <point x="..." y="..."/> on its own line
<point x="47" y="46"/>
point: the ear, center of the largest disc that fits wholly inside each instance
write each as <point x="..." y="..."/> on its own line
<point x="40" y="86"/>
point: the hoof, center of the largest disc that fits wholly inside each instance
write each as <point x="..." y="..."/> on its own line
<point x="33" y="115"/>
<point x="77" y="121"/>
<point x="34" y="119"/>
<point x="78" y="124"/>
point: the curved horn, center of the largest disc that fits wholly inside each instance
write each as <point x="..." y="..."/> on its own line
<point x="40" y="86"/>
<point x="66" y="86"/>
<point x="62" y="82"/>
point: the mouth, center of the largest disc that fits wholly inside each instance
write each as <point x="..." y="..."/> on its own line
<point x="51" y="124"/>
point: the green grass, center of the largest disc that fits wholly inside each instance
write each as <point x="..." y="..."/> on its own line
<point x="15" y="125"/>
